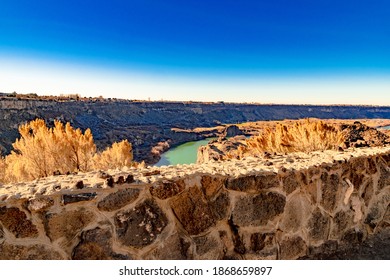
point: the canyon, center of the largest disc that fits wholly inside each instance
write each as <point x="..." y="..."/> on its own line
<point x="153" y="127"/>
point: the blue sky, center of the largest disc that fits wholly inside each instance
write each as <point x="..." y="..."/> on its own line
<point x="279" y="51"/>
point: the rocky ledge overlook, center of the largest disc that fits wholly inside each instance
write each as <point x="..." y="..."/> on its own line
<point x="300" y="205"/>
<point x="149" y="124"/>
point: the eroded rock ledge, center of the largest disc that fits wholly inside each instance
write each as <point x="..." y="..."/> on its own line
<point x="248" y="209"/>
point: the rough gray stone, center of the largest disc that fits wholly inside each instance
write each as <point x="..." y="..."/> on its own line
<point x="341" y="222"/>
<point x="140" y="226"/>
<point x="208" y="247"/>
<point x="290" y="182"/>
<point x="296" y="213"/>
<point x="175" y="247"/>
<point x="220" y="206"/>
<point x="118" y="199"/>
<point x="319" y="226"/>
<point x="96" y="244"/>
<point x="263" y="244"/>
<point x="255" y="210"/>
<point x="292" y="248"/>
<point x="330" y="190"/>
<point x="243" y="184"/>
<point x="384" y="179"/>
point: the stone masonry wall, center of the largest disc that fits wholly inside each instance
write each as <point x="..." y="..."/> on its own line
<point x="280" y="208"/>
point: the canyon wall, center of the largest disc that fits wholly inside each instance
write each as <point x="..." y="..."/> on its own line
<point x="284" y="207"/>
<point x="145" y="124"/>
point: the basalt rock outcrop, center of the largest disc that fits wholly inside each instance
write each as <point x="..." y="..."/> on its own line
<point x="246" y="209"/>
<point x="356" y="134"/>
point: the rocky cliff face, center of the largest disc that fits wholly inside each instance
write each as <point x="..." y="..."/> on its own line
<point x="147" y="123"/>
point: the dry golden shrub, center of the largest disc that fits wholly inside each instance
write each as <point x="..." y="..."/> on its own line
<point x="302" y="136"/>
<point x="41" y="151"/>
<point x="2" y="168"/>
<point x="117" y="156"/>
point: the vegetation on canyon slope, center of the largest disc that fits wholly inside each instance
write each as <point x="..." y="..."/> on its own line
<point x="42" y="151"/>
<point x="301" y="136"/>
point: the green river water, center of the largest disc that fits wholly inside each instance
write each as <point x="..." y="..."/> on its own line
<point x="182" y="154"/>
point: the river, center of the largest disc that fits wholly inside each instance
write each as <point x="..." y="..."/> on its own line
<point x="183" y="154"/>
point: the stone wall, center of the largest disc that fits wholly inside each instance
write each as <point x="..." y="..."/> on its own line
<point x="279" y="208"/>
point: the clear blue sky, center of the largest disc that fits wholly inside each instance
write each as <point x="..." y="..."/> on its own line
<point x="280" y="51"/>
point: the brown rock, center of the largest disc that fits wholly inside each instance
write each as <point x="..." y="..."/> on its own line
<point x="326" y="248"/>
<point x="357" y="179"/>
<point x="129" y="179"/>
<point x="258" y="209"/>
<point x="238" y="243"/>
<point x="220" y="206"/>
<point x="1" y="232"/>
<point x="79" y="185"/>
<point x="341" y="222"/>
<point x="208" y="247"/>
<point x="67" y="224"/>
<point x="253" y="184"/>
<point x="296" y="213"/>
<point x="211" y="185"/>
<point x="110" y="181"/>
<point x="318" y="226"/>
<point x="175" y="247"/>
<point x="151" y="173"/>
<point x="16" y="222"/>
<point x="353" y="236"/>
<point x="243" y="184"/>
<point x="371" y="166"/>
<point x="377" y="210"/>
<point x="384" y="179"/>
<point x="330" y="190"/>
<point x="28" y="252"/>
<point x="96" y="244"/>
<point x="167" y="189"/>
<point x="260" y="242"/>
<point x="118" y="199"/>
<point x="290" y="182"/>
<point x="120" y="180"/>
<point x="193" y="211"/>
<point x="267" y="181"/>
<point x="358" y="165"/>
<point x="292" y="248"/>
<point x="140" y="226"/>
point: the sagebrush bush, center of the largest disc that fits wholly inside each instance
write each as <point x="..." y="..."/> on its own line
<point x="41" y="151"/>
<point x="2" y="168"/>
<point x="306" y="136"/>
<point x="118" y="155"/>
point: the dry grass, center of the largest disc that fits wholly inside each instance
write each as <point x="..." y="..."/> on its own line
<point x="301" y="136"/>
<point x="43" y="151"/>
